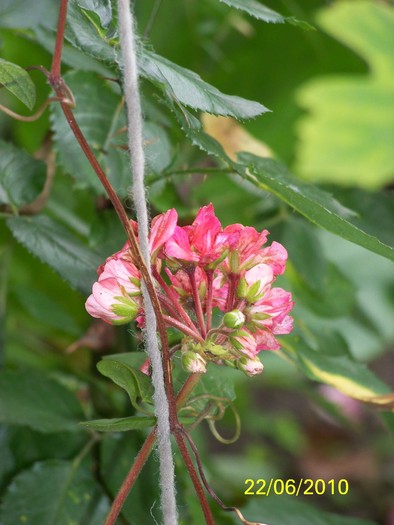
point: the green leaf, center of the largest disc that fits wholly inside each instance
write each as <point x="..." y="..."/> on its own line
<point x="16" y="14"/>
<point x="348" y="136"/>
<point x="216" y="382"/>
<point x="99" y="114"/>
<point x="262" y="12"/>
<point x="102" y="8"/>
<point x="22" y="177"/>
<point x="324" y="301"/>
<point x="56" y="246"/>
<point x="325" y="358"/>
<point x="85" y="35"/>
<point x="315" y="204"/>
<point x="18" y="82"/>
<point x="122" y="424"/>
<point x="30" y="398"/>
<point x="54" y="493"/>
<point x="300" y="238"/>
<point x="288" y="510"/>
<point x="123" y="371"/>
<point x="157" y="148"/>
<point x="186" y="87"/>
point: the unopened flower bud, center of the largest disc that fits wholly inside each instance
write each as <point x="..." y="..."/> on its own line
<point x="194" y="363"/>
<point x="251" y="367"/>
<point x="234" y="319"/>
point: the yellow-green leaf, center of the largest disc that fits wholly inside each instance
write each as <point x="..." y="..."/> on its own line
<point x="348" y="136"/>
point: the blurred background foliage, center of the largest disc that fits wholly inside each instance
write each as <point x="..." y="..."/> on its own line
<point x="329" y="90"/>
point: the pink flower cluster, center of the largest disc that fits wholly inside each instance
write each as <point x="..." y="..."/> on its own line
<point x="204" y="272"/>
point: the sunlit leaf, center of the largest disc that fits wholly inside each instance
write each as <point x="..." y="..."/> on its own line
<point x="325" y="358"/>
<point x="348" y="136"/>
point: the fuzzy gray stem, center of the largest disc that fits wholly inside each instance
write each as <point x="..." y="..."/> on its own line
<point x="135" y="132"/>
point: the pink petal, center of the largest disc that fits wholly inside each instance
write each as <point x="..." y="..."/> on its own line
<point x="162" y="227"/>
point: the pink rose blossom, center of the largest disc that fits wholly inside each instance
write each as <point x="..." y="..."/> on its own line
<point x="200" y="243"/>
<point x="197" y="269"/>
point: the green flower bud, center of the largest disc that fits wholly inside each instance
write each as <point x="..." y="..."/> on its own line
<point x="234" y="319"/>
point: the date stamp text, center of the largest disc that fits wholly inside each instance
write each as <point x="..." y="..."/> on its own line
<point x="292" y="487"/>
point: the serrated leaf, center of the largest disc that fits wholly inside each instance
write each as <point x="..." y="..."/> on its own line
<point x="32" y="399"/>
<point x="315" y="204"/>
<point x="348" y="136"/>
<point x="102" y="8"/>
<point x="22" y="177"/>
<point x="186" y="87"/>
<point x="99" y="115"/>
<point x="18" y="82"/>
<point x="329" y="361"/>
<point x="262" y="12"/>
<point x="59" y="248"/>
<point x="120" y="424"/>
<point x="123" y="371"/>
<point x="54" y="493"/>
<point x="83" y="34"/>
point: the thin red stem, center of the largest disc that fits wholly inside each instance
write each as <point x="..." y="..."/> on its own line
<point x="197" y="302"/>
<point x="208" y="308"/>
<point x="130" y="479"/>
<point x="182" y="328"/>
<point x="233" y="279"/>
<point x="57" y="55"/>
<point x="194" y="477"/>
<point x="144" y="453"/>
<point x="175" y="300"/>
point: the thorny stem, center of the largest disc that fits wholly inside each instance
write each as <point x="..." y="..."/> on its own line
<point x="197" y="302"/>
<point x="61" y="89"/>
